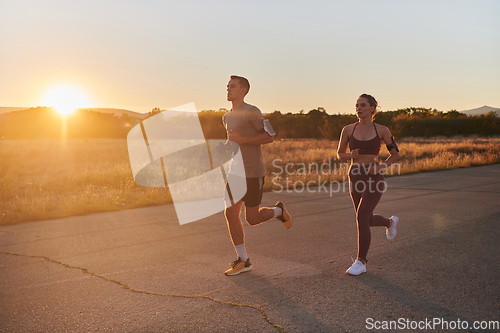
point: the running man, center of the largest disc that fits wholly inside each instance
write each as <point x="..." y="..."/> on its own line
<point x="246" y="126"/>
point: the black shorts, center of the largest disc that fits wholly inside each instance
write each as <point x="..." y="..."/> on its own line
<point x="253" y="196"/>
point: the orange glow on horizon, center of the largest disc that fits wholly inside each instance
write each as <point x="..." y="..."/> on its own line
<point x="65" y="99"/>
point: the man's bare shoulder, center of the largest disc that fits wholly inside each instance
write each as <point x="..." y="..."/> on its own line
<point x="252" y="109"/>
<point x="224" y="116"/>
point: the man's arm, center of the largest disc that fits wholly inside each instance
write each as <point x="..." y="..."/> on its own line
<point x="260" y="139"/>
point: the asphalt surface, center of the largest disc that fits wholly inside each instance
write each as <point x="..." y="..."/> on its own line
<point x="136" y="270"/>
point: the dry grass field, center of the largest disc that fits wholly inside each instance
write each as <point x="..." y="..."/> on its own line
<point x="46" y="179"/>
<point x="310" y="160"/>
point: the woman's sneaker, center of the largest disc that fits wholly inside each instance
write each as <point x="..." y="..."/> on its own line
<point x="391" y="231"/>
<point x="239" y="266"/>
<point x="357" y="268"/>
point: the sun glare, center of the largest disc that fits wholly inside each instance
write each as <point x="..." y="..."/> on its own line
<point x="65" y="99"/>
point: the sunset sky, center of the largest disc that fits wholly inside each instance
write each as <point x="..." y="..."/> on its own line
<point x="298" y="55"/>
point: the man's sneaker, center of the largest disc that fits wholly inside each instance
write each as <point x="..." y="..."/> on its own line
<point x="391" y="232"/>
<point x="357" y="268"/>
<point x="285" y="216"/>
<point x="239" y="266"/>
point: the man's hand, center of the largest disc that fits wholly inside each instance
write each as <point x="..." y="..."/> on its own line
<point x="235" y="137"/>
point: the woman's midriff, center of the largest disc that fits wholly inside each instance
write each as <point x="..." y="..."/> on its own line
<point x="365" y="159"/>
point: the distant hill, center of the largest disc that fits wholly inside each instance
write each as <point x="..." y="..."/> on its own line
<point x="5" y="109"/>
<point x="118" y="112"/>
<point x="482" y="110"/>
<point x="45" y="122"/>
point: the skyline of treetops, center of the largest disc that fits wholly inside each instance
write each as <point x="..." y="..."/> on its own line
<point x="45" y="122"/>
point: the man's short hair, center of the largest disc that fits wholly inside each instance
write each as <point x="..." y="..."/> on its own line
<point x="243" y="82"/>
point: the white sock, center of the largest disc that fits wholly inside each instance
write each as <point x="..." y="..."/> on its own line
<point x="277" y="211"/>
<point x="241" y="251"/>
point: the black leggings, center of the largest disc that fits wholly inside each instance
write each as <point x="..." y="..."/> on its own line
<point x="366" y="191"/>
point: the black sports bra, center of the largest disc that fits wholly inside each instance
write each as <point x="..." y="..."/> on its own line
<point x="366" y="147"/>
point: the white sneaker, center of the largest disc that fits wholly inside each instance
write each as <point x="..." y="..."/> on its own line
<point x="357" y="268"/>
<point x="391" y="232"/>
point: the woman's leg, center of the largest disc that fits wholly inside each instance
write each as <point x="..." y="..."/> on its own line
<point x="379" y="220"/>
<point x="357" y="187"/>
<point x="355" y="196"/>
<point x="365" y="217"/>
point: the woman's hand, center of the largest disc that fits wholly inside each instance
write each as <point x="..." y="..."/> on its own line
<point x="355" y="153"/>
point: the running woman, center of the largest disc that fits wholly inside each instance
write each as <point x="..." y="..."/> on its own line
<point x="366" y="181"/>
<point x="246" y="126"/>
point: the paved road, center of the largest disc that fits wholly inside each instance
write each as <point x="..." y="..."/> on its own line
<point x="134" y="270"/>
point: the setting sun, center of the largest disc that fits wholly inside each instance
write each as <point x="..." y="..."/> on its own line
<point x="65" y="99"/>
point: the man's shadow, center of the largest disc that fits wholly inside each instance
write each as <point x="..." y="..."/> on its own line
<point x="282" y="303"/>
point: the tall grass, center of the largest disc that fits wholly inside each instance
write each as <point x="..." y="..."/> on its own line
<point x="45" y="179"/>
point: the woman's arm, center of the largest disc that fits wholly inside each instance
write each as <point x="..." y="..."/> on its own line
<point x="394" y="154"/>
<point x="342" y="148"/>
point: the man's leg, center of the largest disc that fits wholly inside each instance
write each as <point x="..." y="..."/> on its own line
<point x="234" y="223"/>
<point x="242" y="263"/>
<point x="256" y="215"/>
<point x="253" y="215"/>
